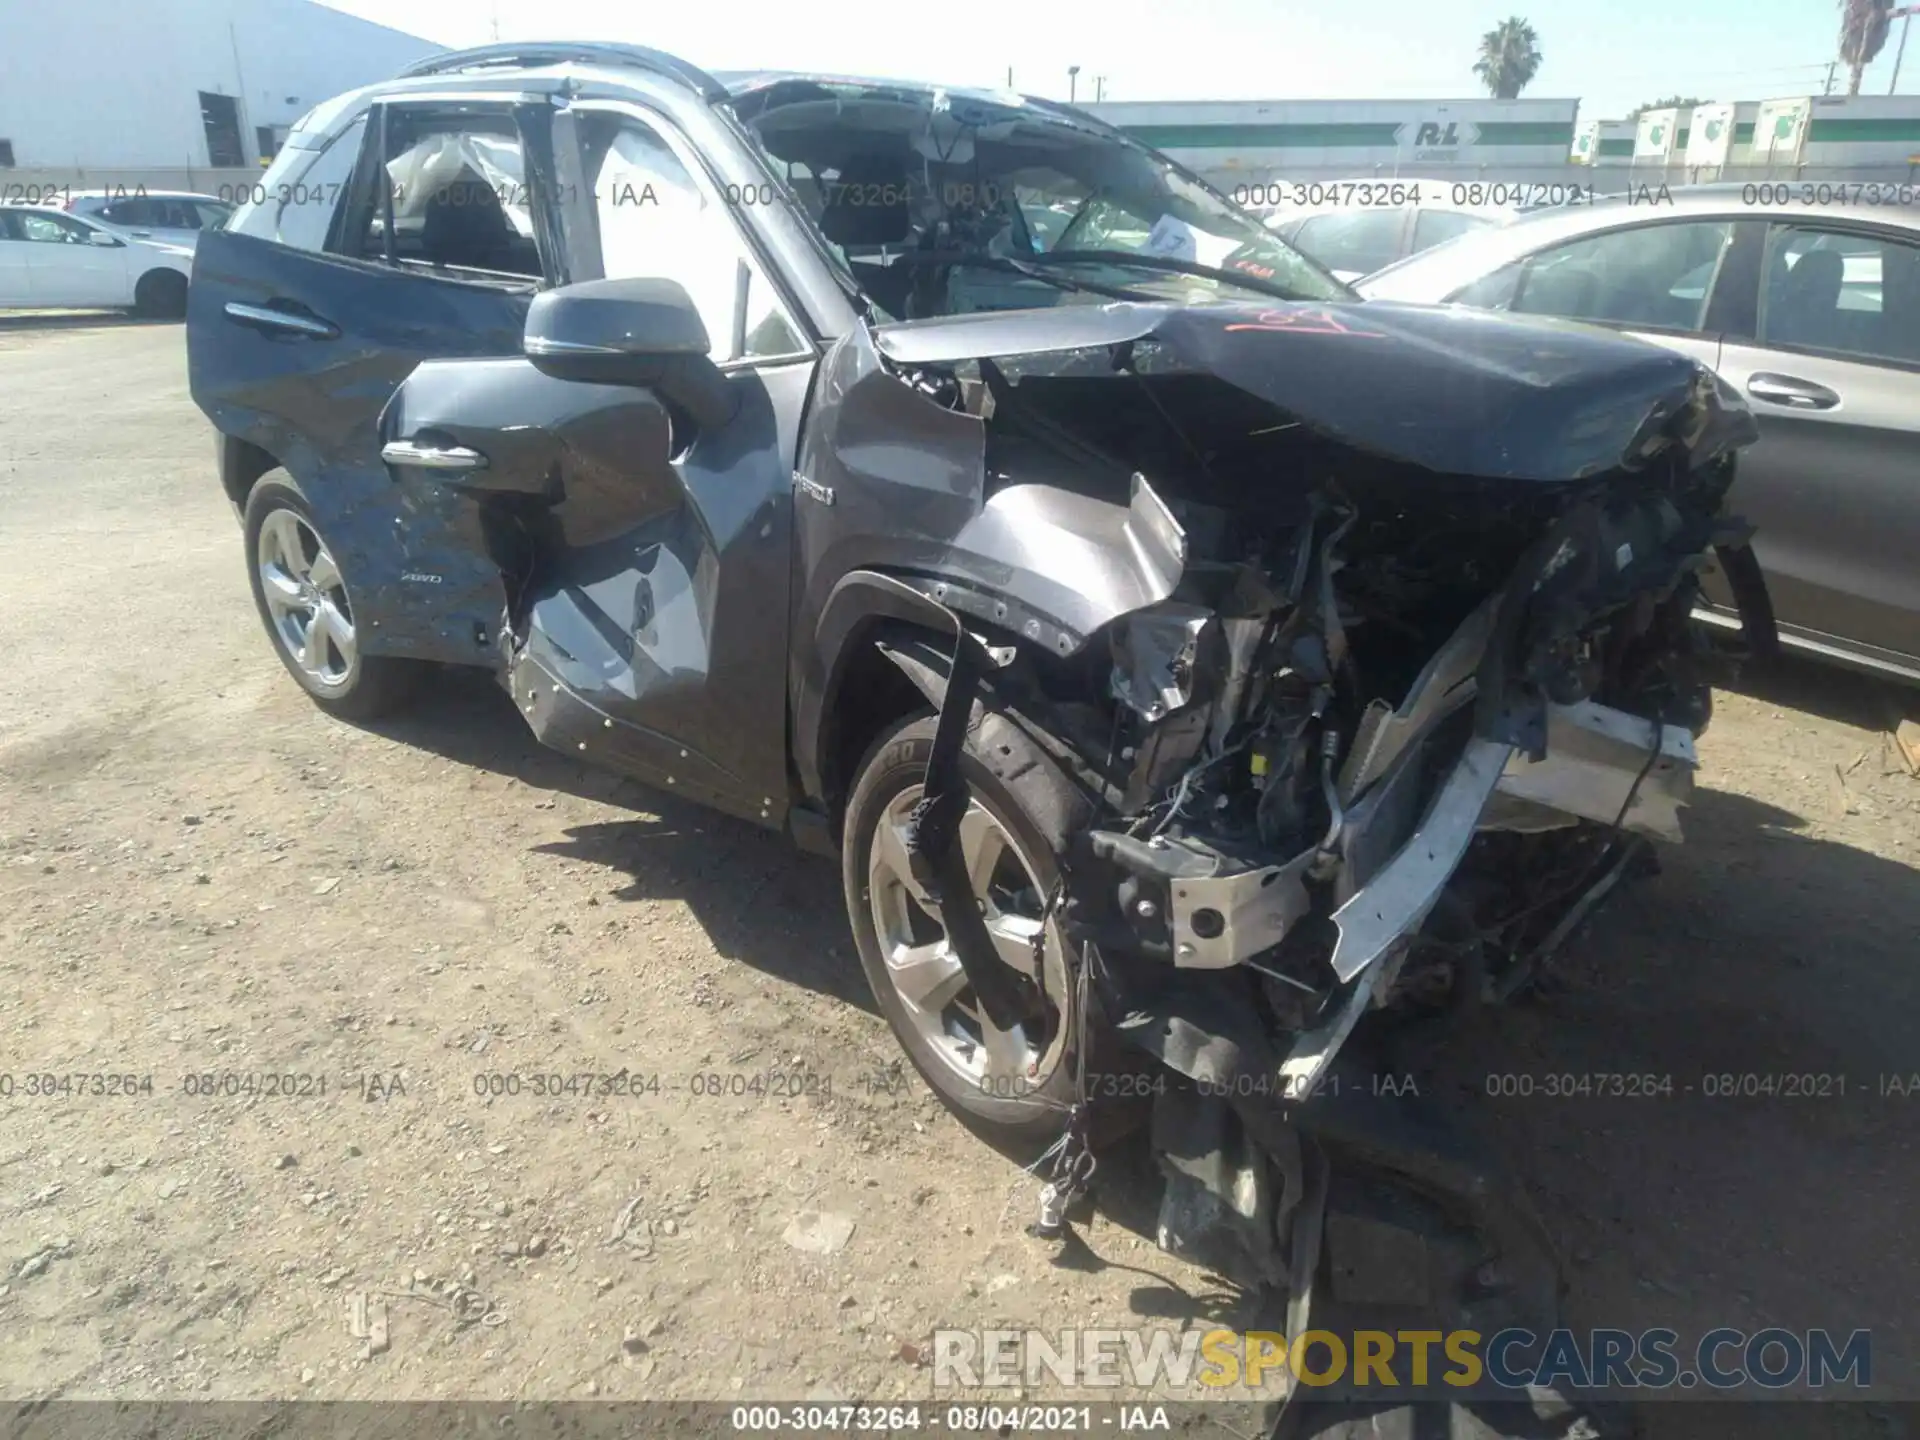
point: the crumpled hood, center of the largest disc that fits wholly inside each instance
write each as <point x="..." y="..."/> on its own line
<point x="1459" y="391"/>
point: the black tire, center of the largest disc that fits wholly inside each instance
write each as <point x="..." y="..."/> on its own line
<point x="373" y="685"/>
<point x="160" y="295"/>
<point x="1026" y="793"/>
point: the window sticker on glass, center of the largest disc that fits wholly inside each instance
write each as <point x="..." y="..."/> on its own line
<point x="1173" y="238"/>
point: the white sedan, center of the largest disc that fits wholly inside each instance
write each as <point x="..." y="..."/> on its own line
<point x="52" y="260"/>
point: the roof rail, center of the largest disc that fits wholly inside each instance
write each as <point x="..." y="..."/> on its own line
<point x="588" y="52"/>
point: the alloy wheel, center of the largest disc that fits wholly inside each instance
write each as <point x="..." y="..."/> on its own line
<point x="306" y="599"/>
<point x="926" y="975"/>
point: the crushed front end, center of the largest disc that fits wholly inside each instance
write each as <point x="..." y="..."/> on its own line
<point x="1399" y="679"/>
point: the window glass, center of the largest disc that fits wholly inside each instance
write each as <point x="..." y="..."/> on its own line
<point x="1851" y="294"/>
<point x="1490" y="292"/>
<point x="1433" y="227"/>
<point x="1653" y="276"/>
<point x="10" y="225"/>
<point x="213" y="215"/>
<point x="1358" y="240"/>
<point x="161" y="212"/>
<point x="137" y="210"/>
<point x="1045" y="216"/>
<point x="174" y="214"/>
<point x="459" y="195"/>
<point x="53" y="229"/>
<point x="295" y="201"/>
<point x="655" y="219"/>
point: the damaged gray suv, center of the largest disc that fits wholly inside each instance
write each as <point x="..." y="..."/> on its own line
<point x="1183" y="658"/>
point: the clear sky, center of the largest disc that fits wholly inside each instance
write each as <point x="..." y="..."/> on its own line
<point x="1611" y="54"/>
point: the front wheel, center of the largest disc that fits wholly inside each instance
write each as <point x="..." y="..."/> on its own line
<point x="1014" y="1085"/>
<point x="304" y="600"/>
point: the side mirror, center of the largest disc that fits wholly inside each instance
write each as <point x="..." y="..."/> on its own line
<point x="641" y="332"/>
<point x="100" y="237"/>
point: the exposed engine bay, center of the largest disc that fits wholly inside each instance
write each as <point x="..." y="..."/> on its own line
<point x="1363" y="734"/>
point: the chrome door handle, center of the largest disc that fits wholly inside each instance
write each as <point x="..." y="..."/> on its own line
<point x="432" y="457"/>
<point x="1789" y="390"/>
<point x="265" y="317"/>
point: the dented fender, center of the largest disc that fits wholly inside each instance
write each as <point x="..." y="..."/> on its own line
<point x="892" y="522"/>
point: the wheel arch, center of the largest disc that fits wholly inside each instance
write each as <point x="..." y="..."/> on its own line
<point x="242" y="463"/>
<point x="155" y="282"/>
<point x="832" y="732"/>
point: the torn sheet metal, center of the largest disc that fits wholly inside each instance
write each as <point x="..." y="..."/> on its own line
<point x="1596" y="757"/>
<point x="1464" y="392"/>
<point x="1156" y="655"/>
<point x="1399" y="897"/>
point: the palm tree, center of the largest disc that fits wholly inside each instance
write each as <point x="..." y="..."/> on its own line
<point x="1510" y="57"/>
<point x="1863" y="30"/>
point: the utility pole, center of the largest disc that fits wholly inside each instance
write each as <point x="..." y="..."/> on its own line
<point x="1073" y="82"/>
<point x="1100" y="86"/>
<point x="1832" y="65"/>
<point x="1905" y="16"/>
<point x="1010" y="77"/>
<point x="496" y="20"/>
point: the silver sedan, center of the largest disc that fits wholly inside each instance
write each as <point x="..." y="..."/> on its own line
<point x="1812" y="311"/>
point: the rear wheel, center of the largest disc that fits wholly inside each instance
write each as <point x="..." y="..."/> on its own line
<point x="161" y="295"/>
<point x="304" y="600"/>
<point x="1014" y="1085"/>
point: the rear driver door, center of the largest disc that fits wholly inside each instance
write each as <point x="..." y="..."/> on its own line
<point x="311" y="309"/>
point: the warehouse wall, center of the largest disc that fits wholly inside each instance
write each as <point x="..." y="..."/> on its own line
<point x="115" y="83"/>
<point x="1258" y="139"/>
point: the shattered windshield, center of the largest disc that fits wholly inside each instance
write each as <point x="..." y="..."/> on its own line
<point x="942" y="204"/>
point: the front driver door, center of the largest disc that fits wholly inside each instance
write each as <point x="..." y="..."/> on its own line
<point x="306" y="315"/>
<point x="650" y="620"/>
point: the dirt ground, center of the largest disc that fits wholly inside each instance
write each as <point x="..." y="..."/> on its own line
<point x="202" y="876"/>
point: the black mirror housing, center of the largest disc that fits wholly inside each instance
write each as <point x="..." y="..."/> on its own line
<point x="644" y="332"/>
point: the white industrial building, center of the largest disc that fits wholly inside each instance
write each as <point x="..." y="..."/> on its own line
<point x="177" y="85"/>
<point x="1238" y="143"/>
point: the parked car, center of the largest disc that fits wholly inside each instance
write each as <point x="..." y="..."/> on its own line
<point x="1357" y="227"/>
<point x="173" y="217"/>
<point x="1812" y="311"/>
<point x="1115" y="611"/>
<point x="50" y="260"/>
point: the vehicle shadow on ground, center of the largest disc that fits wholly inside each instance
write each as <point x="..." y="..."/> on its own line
<point x="794" y="927"/>
<point x="1762" y="988"/>
<point x="1794" y="682"/>
<point x="79" y="320"/>
<point x="1759" y="949"/>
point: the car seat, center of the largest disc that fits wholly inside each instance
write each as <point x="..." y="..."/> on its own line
<point x="465" y="225"/>
<point x="1807" y="302"/>
<point x="850" y="221"/>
